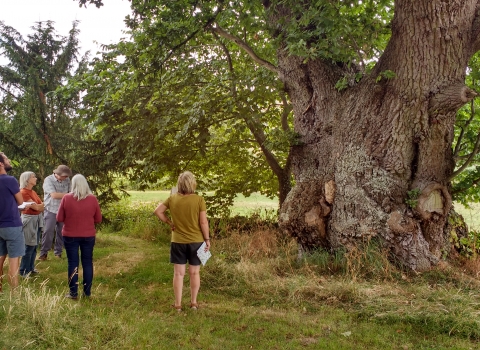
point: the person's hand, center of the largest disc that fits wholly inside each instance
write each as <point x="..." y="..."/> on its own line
<point x="172" y="226"/>
<point x="207" y="245"/>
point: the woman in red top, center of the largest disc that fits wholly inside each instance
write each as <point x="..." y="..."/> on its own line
<point x="32" y="220"/>
<point x="79" y="211"/>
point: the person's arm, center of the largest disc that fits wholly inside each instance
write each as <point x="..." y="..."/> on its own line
<point x="27" y="198"/>
<point x="57" y="195"/>
<point x="19" y="198"/>
<point x="49" y="188"/>
<point x="98" y="213"/>
<point x="61" y="211"/>
<point x="160" y="213"/>
<point x="205" y="229"/>
<point x="38" y="207"/>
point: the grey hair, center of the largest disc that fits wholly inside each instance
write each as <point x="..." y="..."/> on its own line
<point x="24" y="177"/>
<point x="186" y="183"/>
<point x="80" y="187"/>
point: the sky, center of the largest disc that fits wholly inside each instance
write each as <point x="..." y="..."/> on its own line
<point x="104" y="25"/>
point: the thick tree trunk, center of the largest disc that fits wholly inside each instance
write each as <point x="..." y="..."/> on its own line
<point x="365" y="150"/>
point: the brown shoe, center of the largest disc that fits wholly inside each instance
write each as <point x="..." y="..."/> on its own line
<point x="42" y="257"/>
<point x="177" y="307"/>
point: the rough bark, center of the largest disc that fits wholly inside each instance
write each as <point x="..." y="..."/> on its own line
<point x="364" y="149"/>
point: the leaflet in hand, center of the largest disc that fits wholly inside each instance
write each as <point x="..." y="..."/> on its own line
<point x="24" y="204"/>
<point x="202" y="254"/>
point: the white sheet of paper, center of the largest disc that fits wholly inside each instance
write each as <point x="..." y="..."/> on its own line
<point x="24" y="204"/>
<point x="203" y="255"/>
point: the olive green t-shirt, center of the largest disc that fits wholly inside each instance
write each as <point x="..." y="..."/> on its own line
<point x="185" y="211"/>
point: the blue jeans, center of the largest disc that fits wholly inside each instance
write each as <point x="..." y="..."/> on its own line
<point x="28" y="260"/>
<point x="72" y="246"/>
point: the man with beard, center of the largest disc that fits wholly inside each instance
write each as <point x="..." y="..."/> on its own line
<point x="12" y="241"/>
<point x="55" y="186"/>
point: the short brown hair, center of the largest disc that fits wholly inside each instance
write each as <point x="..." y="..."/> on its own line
<point x="63" y="170"/>
<point x="186" y="183"/>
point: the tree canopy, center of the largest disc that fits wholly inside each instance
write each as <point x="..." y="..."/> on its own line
<point x="40" y="124"/>
<point x="187" y="43"/>
<point x="34" y="121"/>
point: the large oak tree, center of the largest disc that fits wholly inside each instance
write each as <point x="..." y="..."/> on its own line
<point x="369" y="147"/>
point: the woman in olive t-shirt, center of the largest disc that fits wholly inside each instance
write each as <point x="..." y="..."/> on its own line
<point x="189" y="226"/>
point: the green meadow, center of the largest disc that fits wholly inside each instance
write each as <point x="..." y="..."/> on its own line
<point x="255" y="294"/>
<point x="242" y="205"/>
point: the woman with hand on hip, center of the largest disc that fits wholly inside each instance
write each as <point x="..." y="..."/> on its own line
<point x="190" y="229"/>
<point x="79" y="211"/>
<point x="32" y="220"/>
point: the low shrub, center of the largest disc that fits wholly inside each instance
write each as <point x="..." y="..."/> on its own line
<point x="136" y="220"/>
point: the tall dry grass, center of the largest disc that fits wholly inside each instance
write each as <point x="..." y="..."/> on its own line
<point x="36" y="310"/>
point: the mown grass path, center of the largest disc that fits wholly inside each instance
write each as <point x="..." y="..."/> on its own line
<point x="132" y="294"/>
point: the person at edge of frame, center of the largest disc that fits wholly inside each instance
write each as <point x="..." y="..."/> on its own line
<point x="12" y="242"/>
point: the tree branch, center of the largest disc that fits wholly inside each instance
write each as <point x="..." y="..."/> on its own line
<point x="469" y="160"/>
<point x="192" y="35"/>
<point x="474" y="182"/>
<point x="9" y="93"/>
<point x="230" y="65"/>
<point x="462" y="132"/>
<point x="287" y="108"/>
<point x="260" y="138"/>
<point x="242" y="44"/>
<point x="450" y="98"/>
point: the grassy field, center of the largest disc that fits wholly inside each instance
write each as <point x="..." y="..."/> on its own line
<point x="255" y="294"/>
<point x="471" y="215"/>
<point x="256" y="202"/>
<point x="242" y="206"/>
<point x="247" y="303"/>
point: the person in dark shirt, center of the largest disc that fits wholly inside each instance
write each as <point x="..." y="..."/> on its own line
<point x="12" y="242"/>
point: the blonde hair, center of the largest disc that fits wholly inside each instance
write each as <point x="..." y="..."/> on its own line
<point x="186" y="183"/>
<point x="80" y="187"/>
<point x="24" y="177"/>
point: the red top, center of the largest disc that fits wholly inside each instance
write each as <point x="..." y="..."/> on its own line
<point x="79" y="217"/>
<point x="30" y="196"/>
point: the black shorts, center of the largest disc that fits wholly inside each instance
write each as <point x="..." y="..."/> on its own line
<point x="180" y="253"/>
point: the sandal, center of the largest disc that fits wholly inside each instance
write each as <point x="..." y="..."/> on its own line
<point x="177" y="307"/>
<point x="193" y="306"/>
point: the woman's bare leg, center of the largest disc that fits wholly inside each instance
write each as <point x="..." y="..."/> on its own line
<point x="178" y="275"/>
<point x="194" y="272"/>
<point x="13" y="265"/>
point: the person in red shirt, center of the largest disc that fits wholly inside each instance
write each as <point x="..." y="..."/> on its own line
<point x="79" y="211"/>
<point x="32" y="219"/>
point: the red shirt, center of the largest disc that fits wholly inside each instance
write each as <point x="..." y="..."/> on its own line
<point x="79" y="217"/>
<point x="30" y="196"/>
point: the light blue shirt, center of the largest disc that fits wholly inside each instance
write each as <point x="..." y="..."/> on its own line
<point x="51" y="185"/>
